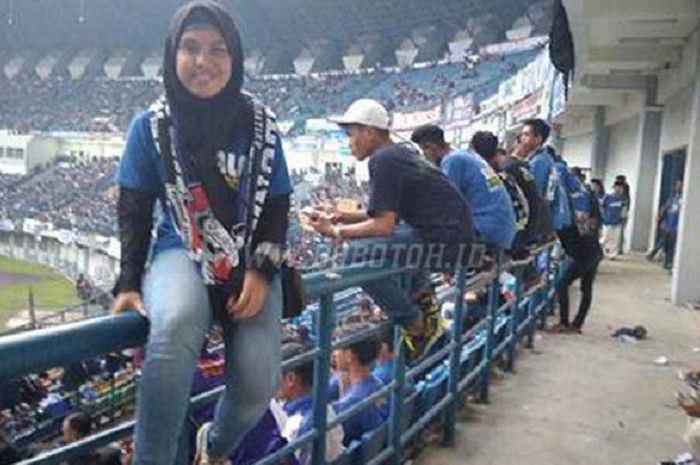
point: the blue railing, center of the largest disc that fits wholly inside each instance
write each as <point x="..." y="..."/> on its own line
<point x="466" y="358"/>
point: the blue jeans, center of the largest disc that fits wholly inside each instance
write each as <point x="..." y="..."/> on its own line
<point x="387" y="293"/>
<point x="180" y="314"/>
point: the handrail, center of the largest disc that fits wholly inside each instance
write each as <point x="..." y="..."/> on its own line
<point x="61" y="346"/>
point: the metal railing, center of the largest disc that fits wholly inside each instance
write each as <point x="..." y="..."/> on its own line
<point x="467" y="357"/>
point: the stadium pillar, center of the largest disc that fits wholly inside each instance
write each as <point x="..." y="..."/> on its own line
<point x="643" y="202"/>
<point x="599" y="157"/>
<point x="686" y="286"/>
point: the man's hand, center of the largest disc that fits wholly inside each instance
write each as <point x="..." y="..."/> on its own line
<point x="252" y="296"/>
<point x="323" y="226"/>
<point x="130" y="300"/>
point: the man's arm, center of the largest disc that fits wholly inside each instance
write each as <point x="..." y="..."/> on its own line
<point x="382" y="225"/>
<point x="352" y="217"/>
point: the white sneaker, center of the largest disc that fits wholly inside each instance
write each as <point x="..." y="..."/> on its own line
<point x="201" y="457"/>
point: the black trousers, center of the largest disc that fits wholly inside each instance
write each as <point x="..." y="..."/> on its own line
<point x="670" y="238"/>
<point x="585" y="270"/>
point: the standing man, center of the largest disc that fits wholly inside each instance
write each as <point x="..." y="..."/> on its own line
<point x="494" y="219"/>
<point x="669" y="226"/>
<point x="412" y="205"/>
<point x="533" y="136"/>
<point x="626" y="196"/>
<point x="614" y="212"/>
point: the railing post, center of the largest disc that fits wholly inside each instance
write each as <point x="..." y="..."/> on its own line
<point x="514" y="321"/>
<point x="396" y="408"/>
<point x="547" y="307"/>
<point x="532" y="319"/>
<point x="494" y="290"/>
<point x="325" y="320"/>
<point x="450" y="417"/>
<point x="32" y="310"/>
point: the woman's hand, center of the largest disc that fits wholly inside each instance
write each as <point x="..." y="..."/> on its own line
<point x="252" y="296"/>
<point x="130" y="300"/>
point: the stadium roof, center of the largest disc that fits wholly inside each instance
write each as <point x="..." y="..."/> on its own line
<point x="46" y="24"/>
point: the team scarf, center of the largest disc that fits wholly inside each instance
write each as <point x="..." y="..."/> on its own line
<point x="216" y="250"/>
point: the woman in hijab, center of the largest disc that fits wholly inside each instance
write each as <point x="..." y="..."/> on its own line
<point x="211" y="156"/>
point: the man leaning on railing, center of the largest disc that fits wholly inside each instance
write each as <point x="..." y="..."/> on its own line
<point x="415" y="218"/>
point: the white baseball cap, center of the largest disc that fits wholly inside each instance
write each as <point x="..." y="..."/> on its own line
<point x="366" y="112"/>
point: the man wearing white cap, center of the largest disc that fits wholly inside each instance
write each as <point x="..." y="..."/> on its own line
<point x="415" y="218"/>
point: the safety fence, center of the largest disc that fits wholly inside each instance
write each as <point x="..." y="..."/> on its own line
<point x="464" y="362"/>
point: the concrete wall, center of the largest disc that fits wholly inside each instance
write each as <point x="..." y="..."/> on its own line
<point x="623" y="155"/>
<point x="675" y="127"/>
<point x="577" y="150"/>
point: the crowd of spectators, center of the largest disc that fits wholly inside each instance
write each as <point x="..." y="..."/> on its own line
<point x="59" y="103"/>
<point x="69" y="195"/>
<point x="65" y="104"/>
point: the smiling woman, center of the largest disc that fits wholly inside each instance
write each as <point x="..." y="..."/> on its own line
<point x="203" y="61"/>
<point x="213" y="157"/>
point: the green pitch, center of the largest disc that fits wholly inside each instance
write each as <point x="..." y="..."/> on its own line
<point x="51" y="290"/>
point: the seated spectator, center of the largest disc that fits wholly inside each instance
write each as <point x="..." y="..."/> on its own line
<point x="77" y="426"/>
<point x="384" y="366"/>
<point x="357" y="383"/>
<point x="295" y="391"/>
<point x="494" y="219"/>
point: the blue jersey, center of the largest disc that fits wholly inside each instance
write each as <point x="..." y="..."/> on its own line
<point x="494" y="219"/>
<point x="302" y="406"/>
<point x="673" y="212"/>
<point x="575" y="189"/>
<point x="551" y="187"/>
<point x="141" y="169"/>
<point x="384" y="372"/>
<point x="613" y="209"/>
<point x="367" y="419"/>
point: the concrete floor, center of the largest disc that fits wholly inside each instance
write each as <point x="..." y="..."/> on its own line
<point x="590" y="399"/>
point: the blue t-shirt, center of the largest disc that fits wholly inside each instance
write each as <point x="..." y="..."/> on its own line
<point x="384" y="372"/>
<point x="301" y="406"/>
<point x="420" y="194"/>
<point x="141" y="169"/>
<point x="494" y="219"/>
<point x="673" y="212"/>
<point x="613" y="208"/>
<point x="367" y="419"/>
<point x="574" y="187"/>
<point x="550" y="186"/>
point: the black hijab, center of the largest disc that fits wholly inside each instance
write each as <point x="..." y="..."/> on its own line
<point x="204" y="125"/>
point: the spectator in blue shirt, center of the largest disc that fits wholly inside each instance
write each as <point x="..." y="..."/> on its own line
<point x="295" y="391"/>
<point x="384" y="365"/>
<point x="494" y="219"/>
<point x="533" y="136"/>
<point x="357" y="383"/>
<point x="669" y="225"/>
<point x="614" y="213"/>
